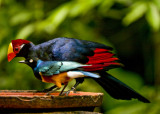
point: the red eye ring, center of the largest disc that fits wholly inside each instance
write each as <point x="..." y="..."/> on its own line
<point x="16" y="49"/>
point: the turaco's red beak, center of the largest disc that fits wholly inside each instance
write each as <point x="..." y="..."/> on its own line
<point x="10" y="54"/>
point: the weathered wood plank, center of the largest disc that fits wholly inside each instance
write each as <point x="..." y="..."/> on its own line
<point x="32" y="101"/>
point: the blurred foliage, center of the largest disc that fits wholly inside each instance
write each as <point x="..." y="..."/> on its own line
<point x="130" y="26"/>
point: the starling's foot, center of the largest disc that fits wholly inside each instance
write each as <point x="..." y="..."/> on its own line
<point x="74" y="91"/>
<point x="48" y="95"/>
<point x="67" y="92"/>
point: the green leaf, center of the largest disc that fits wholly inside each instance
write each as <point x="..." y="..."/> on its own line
<point x="21" y="17"/>
<point x="25" y="32"/>
<point x="137" y="11"/>
<point x="56" y="17"/>
<point x="81" y="7"/>
<point x="153" y="16"/>
<point x="105" y="6"/>
<point x="157" y="3"/>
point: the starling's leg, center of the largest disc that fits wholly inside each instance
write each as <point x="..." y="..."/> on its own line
<point x="78" y="81"/>
<point x="63" y="90"/>
<point x="58" y="85"/>
<point x="49" y="89"/>
<point x="57" y="88"/>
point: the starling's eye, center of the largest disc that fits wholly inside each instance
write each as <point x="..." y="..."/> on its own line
<point x="31" y="60"/>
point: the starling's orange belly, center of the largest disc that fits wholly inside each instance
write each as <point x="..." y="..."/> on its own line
<point x="58" y="79"/>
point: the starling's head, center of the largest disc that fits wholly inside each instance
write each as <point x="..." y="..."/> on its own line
<point x="15" y="47"/>
<point x="30" y="62"/>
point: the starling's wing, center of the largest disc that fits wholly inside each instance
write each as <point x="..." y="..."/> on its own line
<point x="50" y="68"/>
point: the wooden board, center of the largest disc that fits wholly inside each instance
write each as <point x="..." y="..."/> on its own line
<point x="32" y="101"/>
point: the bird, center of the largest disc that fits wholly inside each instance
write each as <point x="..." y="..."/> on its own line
<point x="99" y="56"/>
<point x="58" y="72"/>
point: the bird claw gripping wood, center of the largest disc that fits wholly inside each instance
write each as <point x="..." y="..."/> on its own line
<point x="67" y="92"/>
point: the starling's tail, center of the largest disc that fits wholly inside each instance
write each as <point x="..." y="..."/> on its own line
<point x="118" y="89"/>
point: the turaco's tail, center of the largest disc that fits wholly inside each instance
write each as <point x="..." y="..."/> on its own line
<point x="118" y="89"/>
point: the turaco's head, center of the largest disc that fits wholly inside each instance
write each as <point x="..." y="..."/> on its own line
<point x="15" y="47"/>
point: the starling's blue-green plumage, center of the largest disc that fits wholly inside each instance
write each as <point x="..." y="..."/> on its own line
<point x="55" y="67"/>
<point x="50" y="68"/>
<point x="58" y="72"/>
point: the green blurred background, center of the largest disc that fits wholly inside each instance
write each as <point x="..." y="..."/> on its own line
<point x="131" y="27"/>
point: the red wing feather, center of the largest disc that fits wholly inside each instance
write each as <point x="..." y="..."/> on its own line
<point x="100" y="56"/>
<point x="99" y="50"/>
<point x="101" y="59"/>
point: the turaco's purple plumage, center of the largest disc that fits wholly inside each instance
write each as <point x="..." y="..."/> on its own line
<point x="98" y="56"/>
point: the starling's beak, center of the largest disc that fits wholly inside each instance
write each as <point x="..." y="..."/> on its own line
<point x="10" y="54"/>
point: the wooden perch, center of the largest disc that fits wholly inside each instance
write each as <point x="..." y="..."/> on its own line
<point x="32" y="101"/>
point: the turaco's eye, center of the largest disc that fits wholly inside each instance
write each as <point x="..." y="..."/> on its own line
<point x="16" y="49"/>
<point x="31" y="60"/>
